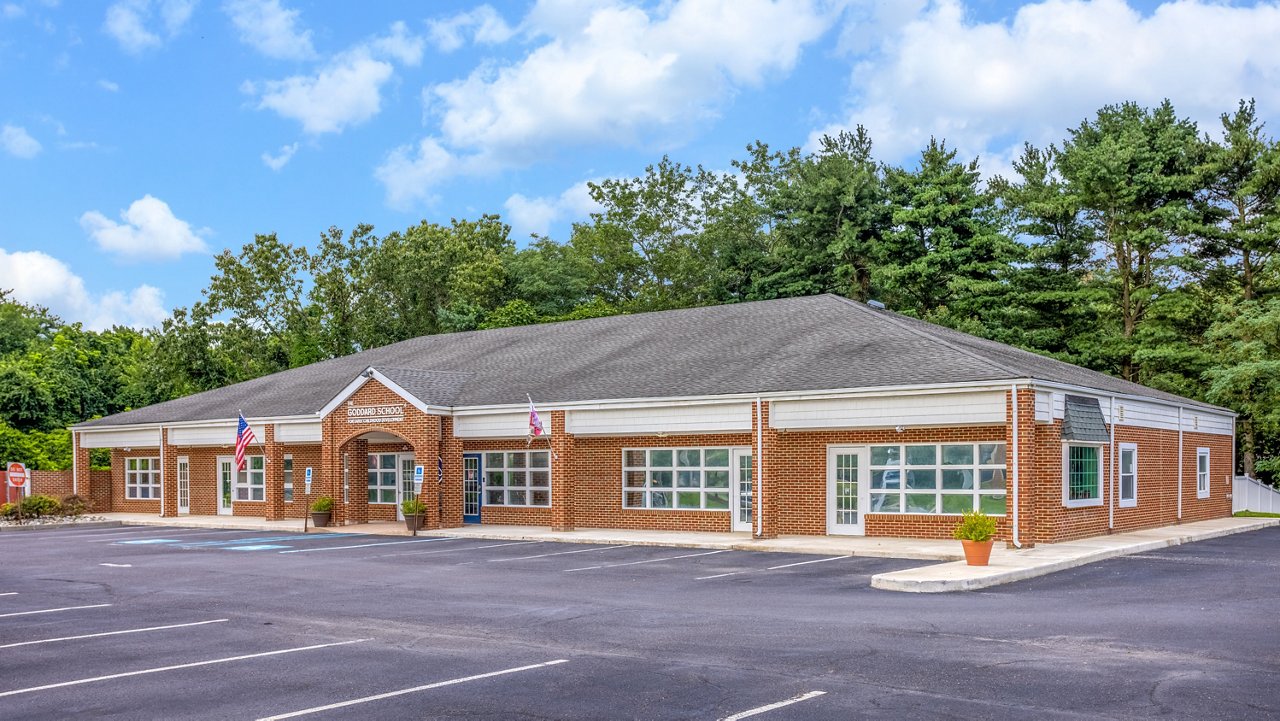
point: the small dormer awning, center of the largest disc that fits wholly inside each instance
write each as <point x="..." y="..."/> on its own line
<point x="1082" y="421"/>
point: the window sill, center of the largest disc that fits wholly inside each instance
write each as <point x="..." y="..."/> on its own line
<point x="1095" y="503"/>
<point x="1128" y="504"/>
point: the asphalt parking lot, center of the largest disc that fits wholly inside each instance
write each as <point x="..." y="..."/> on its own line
<point x="164" y="623"/>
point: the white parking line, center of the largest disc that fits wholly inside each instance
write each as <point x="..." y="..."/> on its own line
<point x="557" y="553"/>
<point x="10" y="593"/>
<point x="161" y="532"/>
<point x="53" y="610"/>
<point x="113" y="633"/>
<point x="415" y="689"/>
<point x="449" y="550"/>
<point x="194" y="664"/>
<point x="771" y="568"/>
<point x="368" y="545"/>
<point x="762" y="709"/>
<point x="637" y="563"/>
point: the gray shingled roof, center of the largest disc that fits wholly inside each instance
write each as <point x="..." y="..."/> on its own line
<point x="792" y="344"/>
<point x="1082" y="420"/>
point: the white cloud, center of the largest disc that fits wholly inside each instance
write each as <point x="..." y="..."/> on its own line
<point x="17" y="142"/>
<point x="109" y="86"/>
<point x="149" y="231"/>
<point x="346" y="91"/>
<point x="530" y="216"/>
<point x="130" y="21"/>
<point x="41" y="279"/>
<point x="986" y="87"/>
<point x="281" y="159"/>
<point x="484" y="23"/>
<point x="271" y="29"/>
<point x="12" y="12"/>
<point x="607" y="73"/>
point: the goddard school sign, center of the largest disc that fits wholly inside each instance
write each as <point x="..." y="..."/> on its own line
<point x="375" y="414"/>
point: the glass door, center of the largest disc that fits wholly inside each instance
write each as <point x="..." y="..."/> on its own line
<point x="743" y="495"/>
<point x="846" y="490"/>
<point x="406" y="483"/>
<point x="226" y="479"/>
<point x="471" y="496"/>
<point x="184" y="484"/>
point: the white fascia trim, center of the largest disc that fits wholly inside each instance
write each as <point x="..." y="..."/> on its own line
<point x="1053" y="385"/>
<point x="372" y="373"/>
<point x="677" y="401"/>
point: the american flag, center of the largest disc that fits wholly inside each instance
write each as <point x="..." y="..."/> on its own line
<point x="244" y="436"/>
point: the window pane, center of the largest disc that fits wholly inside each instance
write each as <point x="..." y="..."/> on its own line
<point x="288" y="464"/>
<point x="689" y="457"/>
<point x="717" y="457"/>
<point x="373" y="462"/>
<point x="387" y="461"/>
<point x="256" y="462"/>
<point x="1126" y="460"/>
<point x="689" y="479"/>
<point x="542" y="479"/>
<point x="517" y="478"/>
<point x="689" y="499"/>
<point x="516" y="498"/>
<point x="373" y="495"/>
<point x="885" y="455"/>
<point x="515" y="460"/>
<point x="922" y="455"/>
<point x="660" y="499"/>
<point x="540" y="459"/>
<point x="373" y="479"/>
<point x="884" y="502"/>
<point x="633" y="500"/>
<point x="922" y="478"/>
<point x="957" y="503"/>
<point x="494" y="460"/>
<point x="957" y="455"/>
<point x="494" y="497"/>
<point x="1082" y="473"/>
<point x="992" y="504"/>
<point x="660" y="459"/>
<point x="717" y="479"/>
<point x="540" y="498"/>
<point x="635" y="479"/>
<point x="1127" y="491"/>
<point x="717" y="500"/>
<point x="920" y="503"/>
<point x="132" y="464"/>
<point x="388" y="496"/>
<point x="496" y="478"/>
<point x="633" y="459"/>
<point x="991" y="479"/>
<point x="660" y="479"/>
<point x="991" y="454"/>
<point x="957" y="479"/>
<point x="885" y="479"/>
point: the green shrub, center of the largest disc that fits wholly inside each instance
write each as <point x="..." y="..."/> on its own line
<point x="413" y="507"/>
<point x="975" y="526"/>
<point x="39" y="505"/>
<point x="8" y="510"/>
<point x="75" y="505"/>
<point x="323" y="504"/>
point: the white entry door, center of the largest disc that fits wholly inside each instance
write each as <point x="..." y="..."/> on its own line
<point x="847" y="478"/>
<point x="226" y="481"/>
<point x="742" y="494"/>
<point x="184" y="484"/>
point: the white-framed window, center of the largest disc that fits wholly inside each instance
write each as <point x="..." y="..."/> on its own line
<point x="939" y="478"/>
<point x="288" y="478"/>
<point x="383" y="471"/>
<point x="1128" y="475"/>
<point x="1202" y="473"/>
<point x="676" y="478"/>
<point x="1081" y="475"/>
<point x="517" y="478"/>
<point x="251" y="483"/>
<point x="142" y="478"/>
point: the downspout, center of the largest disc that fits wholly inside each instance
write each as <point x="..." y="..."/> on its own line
<point x="75" y="466"/>
<point x="759" y="465"/>
<point x="1017" y="543"/>
<point x="1181" y="462"/>
<point x="163" y="439"/>
<point x="1111" y="497"/>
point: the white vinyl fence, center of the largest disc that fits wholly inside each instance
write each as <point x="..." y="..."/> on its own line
<point x="1248" y="494"/>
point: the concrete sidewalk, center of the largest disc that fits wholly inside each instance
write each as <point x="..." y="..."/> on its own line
<point x="1008" y="566"/>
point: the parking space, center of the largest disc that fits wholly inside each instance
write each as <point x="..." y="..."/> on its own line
<point x="170" y="623"/>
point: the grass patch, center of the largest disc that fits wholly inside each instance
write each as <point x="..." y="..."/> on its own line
<point x="1255" y="514"/>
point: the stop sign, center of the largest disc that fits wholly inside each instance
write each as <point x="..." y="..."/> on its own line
<point x="17" y="475"/>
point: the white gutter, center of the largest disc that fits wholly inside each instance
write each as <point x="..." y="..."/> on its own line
<point x="1111" y="497"/>
<point x="1181" y="461"/>
<point x="1017" y="543"/>
<point x="760" y="466"/>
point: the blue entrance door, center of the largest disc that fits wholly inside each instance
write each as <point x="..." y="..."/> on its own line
<point x="471" y="488"/>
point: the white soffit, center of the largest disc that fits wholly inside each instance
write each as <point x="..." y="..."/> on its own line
<point x="139" y="438"/>
<point x="941" y="409"/>
<point x="721" y="418"/>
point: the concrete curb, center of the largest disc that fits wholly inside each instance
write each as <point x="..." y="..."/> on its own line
<point x="61" y="526"/>
<point x="1000" y="576"/>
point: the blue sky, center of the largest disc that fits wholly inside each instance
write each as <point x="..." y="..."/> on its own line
<point x="139" y="138"/>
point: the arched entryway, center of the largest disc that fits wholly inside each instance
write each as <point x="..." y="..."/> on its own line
<point x="379" y="469"/>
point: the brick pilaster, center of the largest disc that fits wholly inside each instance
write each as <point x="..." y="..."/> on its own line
<point x="82" y="484"/>
<point x="767" y="472"/>
<point x="356" y="507"/>
<point x="169" y="467"/>
<point x="451" y="489"/>
<point x="562" y="474"/>
<point x="274" y="473"/>
<point x="1033" y="493"/>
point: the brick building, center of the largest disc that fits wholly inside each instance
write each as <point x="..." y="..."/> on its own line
<point x="813" y="415"/>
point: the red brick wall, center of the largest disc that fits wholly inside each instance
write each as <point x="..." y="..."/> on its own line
<point x="119" y="503"/>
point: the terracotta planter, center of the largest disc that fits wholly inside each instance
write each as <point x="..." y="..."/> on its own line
<point x="414" y="523"/>
<point x="320" y="519"/>
<point x="977" y="553"/>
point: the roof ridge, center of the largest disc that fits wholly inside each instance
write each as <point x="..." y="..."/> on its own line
<point x="892" y="317"/>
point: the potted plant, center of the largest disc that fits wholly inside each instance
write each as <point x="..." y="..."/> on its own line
<point x="321" y="509"/>
<point x="976" y="532"/>
<point x="414" y="513"/>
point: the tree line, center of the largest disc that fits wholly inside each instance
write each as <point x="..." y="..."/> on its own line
<point x="1140" y="246"/>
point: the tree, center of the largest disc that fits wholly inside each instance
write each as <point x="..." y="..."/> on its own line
<point x="1246" y="373"/>
<point x="338" y="274"/>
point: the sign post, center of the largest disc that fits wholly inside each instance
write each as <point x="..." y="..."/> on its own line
<point x="308" y="481"/>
